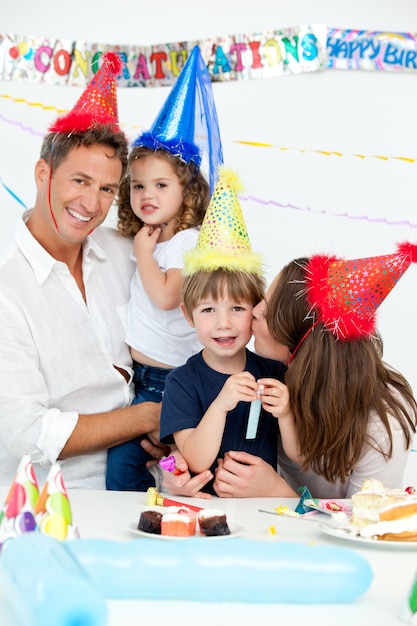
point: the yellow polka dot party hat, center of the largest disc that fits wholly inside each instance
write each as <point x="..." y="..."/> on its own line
<point x="223" y="241"/>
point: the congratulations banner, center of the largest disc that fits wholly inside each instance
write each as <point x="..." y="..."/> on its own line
<point x="240" y="57"/>
<point x="269" y="54"/>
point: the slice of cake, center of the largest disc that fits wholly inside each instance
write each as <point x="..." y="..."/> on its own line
<point x="213" y="522"/>
<point x="178" y="522"/>
<point x="150" y="522"/>
<point x="387" y="514"/>
<point x="397" y="522"/>
<point x="373" y="497"/>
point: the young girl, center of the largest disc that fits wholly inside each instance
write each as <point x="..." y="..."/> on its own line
<point x="161" y="204"/>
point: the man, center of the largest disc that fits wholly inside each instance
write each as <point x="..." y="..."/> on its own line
<point x="65" y="371"/>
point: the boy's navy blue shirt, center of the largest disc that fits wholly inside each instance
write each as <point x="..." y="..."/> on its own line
<point x="192" y="387"/>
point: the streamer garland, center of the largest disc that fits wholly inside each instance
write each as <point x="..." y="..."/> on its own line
<point x="267" y="54"/>
<point x="345" y="215"/>
<point x="12" y="193"/>
<point x="254" y="144"/>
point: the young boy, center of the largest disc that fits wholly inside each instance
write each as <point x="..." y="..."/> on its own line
<point x="207" y="401"/>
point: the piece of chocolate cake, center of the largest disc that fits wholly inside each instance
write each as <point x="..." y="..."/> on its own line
<point x="213" y="523"/>
<point x="150" y="522"/>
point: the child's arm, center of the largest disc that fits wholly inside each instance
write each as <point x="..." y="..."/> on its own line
<point x="276" y="400"/>
<point x="200" y="446"/>
<point x="163" y="288"/>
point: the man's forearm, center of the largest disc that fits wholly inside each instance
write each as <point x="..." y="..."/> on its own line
<point x="100" y="431"/>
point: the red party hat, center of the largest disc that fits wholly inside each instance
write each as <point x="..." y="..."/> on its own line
<point x="347" y="294"/>
<point x="97" y="105"/>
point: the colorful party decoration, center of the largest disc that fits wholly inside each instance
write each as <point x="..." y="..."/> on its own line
<point x="270" y="53"/>
<point x="293" y="207"/>
<point x="26" y="509"/>
<point x="53" y="510"/>
<point x="187" y="125"/>
<point x="169" y="464"/>
<point x="343" y="214"/>
<point x="254" y="144"/>
<point x="223" y="240"/>
<point x="266" y="54"/>
<point x="153" y="498"/>
<point x="12" y="193"/>
<point x="301" y="506"/>
<point x="64" y="584"/>
<point x="18" y="514"/>
<point x="346" y="294"/>
<point x="371" y="50"/>
<point x="97" y="105"/>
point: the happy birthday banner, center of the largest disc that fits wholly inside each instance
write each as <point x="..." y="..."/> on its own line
<point x="269" y="54"/>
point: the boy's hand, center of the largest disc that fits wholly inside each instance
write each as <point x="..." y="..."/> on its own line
<point x="241" y="387"/>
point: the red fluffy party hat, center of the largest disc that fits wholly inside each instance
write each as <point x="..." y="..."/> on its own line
<point x="97" y="105"/>
<point x="347" y="294"/>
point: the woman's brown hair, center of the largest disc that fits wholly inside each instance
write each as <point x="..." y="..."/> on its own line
<point x="334" y="385"/>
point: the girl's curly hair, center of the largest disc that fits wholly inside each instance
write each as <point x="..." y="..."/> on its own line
<point x="195" y="199"/>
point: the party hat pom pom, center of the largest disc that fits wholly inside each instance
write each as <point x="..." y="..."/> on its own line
<point x="230" y="179"/>
<point x="114" y="62"/>
<point x="408" y="250"/>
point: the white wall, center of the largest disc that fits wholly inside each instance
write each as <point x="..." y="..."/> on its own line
<point x="373" y="114"/>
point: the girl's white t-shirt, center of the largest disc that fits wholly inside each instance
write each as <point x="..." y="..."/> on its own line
<point x="163" y="336"/>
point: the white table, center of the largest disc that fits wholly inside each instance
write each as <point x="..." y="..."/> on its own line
<point x="107" y="515"/>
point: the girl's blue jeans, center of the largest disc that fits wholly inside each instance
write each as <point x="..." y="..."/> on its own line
<point x="126" y="463"/>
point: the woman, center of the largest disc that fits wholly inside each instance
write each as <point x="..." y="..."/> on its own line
<point x="355" y="416"/>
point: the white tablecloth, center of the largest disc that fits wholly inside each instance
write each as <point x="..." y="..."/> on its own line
<point x="107" y="515"/>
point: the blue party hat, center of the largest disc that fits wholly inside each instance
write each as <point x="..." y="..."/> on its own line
<point x="187" y="125"/>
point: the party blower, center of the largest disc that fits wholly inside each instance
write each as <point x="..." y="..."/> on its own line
<point x="54" y="583"/>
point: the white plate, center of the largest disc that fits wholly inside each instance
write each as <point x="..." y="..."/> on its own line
<point x="235" y="531"/>
<point x="341" y="533"/>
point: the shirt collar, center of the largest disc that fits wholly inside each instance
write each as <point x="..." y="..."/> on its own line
<point x="41" y="262"/>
